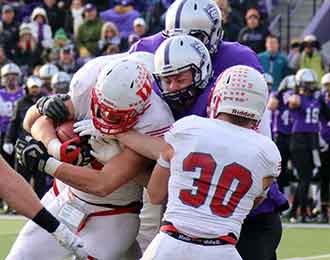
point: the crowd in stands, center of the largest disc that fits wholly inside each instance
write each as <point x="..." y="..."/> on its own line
<point x="42" y="44"/>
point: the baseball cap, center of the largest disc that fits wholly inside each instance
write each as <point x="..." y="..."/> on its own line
<point x="7" y="8"/>
<point x="139" y="21"/>
<point x="89" y="7"/>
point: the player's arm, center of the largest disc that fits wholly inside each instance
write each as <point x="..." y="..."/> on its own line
<point x="118" y="171"/>
<point x="20" y="196"/>
<point x="158" y="183"/>
<point x="146" y="145"/>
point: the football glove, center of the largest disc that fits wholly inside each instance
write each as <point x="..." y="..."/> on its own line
<point x="32" y="154"/>
<point x="54" y="107"/>
<point x="86" y="127"/>
<point x="75" y="152"/>
<point x="70" y="241"/>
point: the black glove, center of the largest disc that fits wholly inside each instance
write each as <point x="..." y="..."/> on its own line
<point x="32" y="154"/>
<point x="54" y="107"/>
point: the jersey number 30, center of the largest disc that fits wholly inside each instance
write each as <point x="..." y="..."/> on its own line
<point x="231" y="173"/>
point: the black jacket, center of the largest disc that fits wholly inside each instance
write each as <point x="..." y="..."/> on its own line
<point x="15" y="129"/>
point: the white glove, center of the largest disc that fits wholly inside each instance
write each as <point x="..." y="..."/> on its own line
<point x="104" y="150"/>
<point x="70" y="241"/>
<point x="86" y="127"/>
<point x="8" y="148"/>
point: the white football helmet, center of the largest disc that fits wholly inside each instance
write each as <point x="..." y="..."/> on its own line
<point x="178" y="54"/>
<point x="198" y="18"/>
<point x="33" y="81"/>
<point x="241" y="91"/>
<point x="47" y="71"/>
<point x="122" y="93"/>
<point x="10" y="68"/>
<point x="325" y="81"/>
<point x="306" y="78"/>
<point x="145" y="58"/>
<point x="60" y="82"/>
<point x="10" y="75"/>
<point x="289" y="82"/>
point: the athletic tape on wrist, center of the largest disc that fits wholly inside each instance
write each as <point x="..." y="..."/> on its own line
<point x="51" y="166"/>
<point x="162" y="162"/>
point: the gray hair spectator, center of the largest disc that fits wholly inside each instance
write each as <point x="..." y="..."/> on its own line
<point x="67" y="62"/>
<point x="254" y="33"/>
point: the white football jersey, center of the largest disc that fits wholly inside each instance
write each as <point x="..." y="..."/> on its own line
<point x="216" y="173"/>
<point x="155" y="121"/>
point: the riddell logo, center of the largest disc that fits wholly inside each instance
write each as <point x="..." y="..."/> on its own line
<point x="243" y="113"/>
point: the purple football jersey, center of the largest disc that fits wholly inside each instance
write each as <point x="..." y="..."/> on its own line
<point x="228" y="54"/>
<point x="7" y="103"/>
<point x="325" y="124"/>
<point x="305" y="119"/>
<point x="282" y="122"/>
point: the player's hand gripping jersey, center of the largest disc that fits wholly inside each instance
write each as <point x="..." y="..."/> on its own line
<point x="155" y="121"/>
<point x="222" y="167"/>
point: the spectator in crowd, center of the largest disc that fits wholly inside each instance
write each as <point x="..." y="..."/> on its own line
<point x="74" y="17"/>
<point x="254" y="33"/>
<point x="46" y="72"/>
<point x="67" y="61"/>
<point x="10" y="79"/>
<point x="273" y="61"/>
<point x="89" y="32"/>
<point x="140" y="27"/>
<point x="325" y="153"/>
<point x="40" y="28"/>
<point x="56" y="15"/>
<point x="28" y="51"/>
<point x="109" y="36"/>
<point x="232" y="21"/>
<point x="9" y="30"/>
<point x="312" y="58"/>
<point x="15" y="131"/>
<point x="123" y="15"/>
<point x="60" y="83"/>
<point x="60" y="40"/>
<point x="294" y="54"/>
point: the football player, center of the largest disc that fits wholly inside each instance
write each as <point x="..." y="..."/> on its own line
<point x="107" y="199"/>
<point x="211" y="183"/>
<point x="19" y="195"/>
<point x="306" y="107"/>
<point x="202" y="19"/>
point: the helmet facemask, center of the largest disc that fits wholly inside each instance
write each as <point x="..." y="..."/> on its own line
<point x="10" y="81"/>
<point x="110" y="120"/>
<point x="181" y="100"/>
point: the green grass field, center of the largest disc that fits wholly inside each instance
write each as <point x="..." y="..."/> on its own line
<point x="297" y="243"/>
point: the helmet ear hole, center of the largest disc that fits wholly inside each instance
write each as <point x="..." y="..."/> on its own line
<point x="181" y="43"/>
<point x="195" y="7"/>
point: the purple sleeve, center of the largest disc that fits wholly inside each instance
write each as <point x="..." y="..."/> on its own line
<point x="252" y="60"/>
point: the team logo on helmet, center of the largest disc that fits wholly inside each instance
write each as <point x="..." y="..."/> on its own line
<point x="199" y="48"/>
<point x="212" y="13"/>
